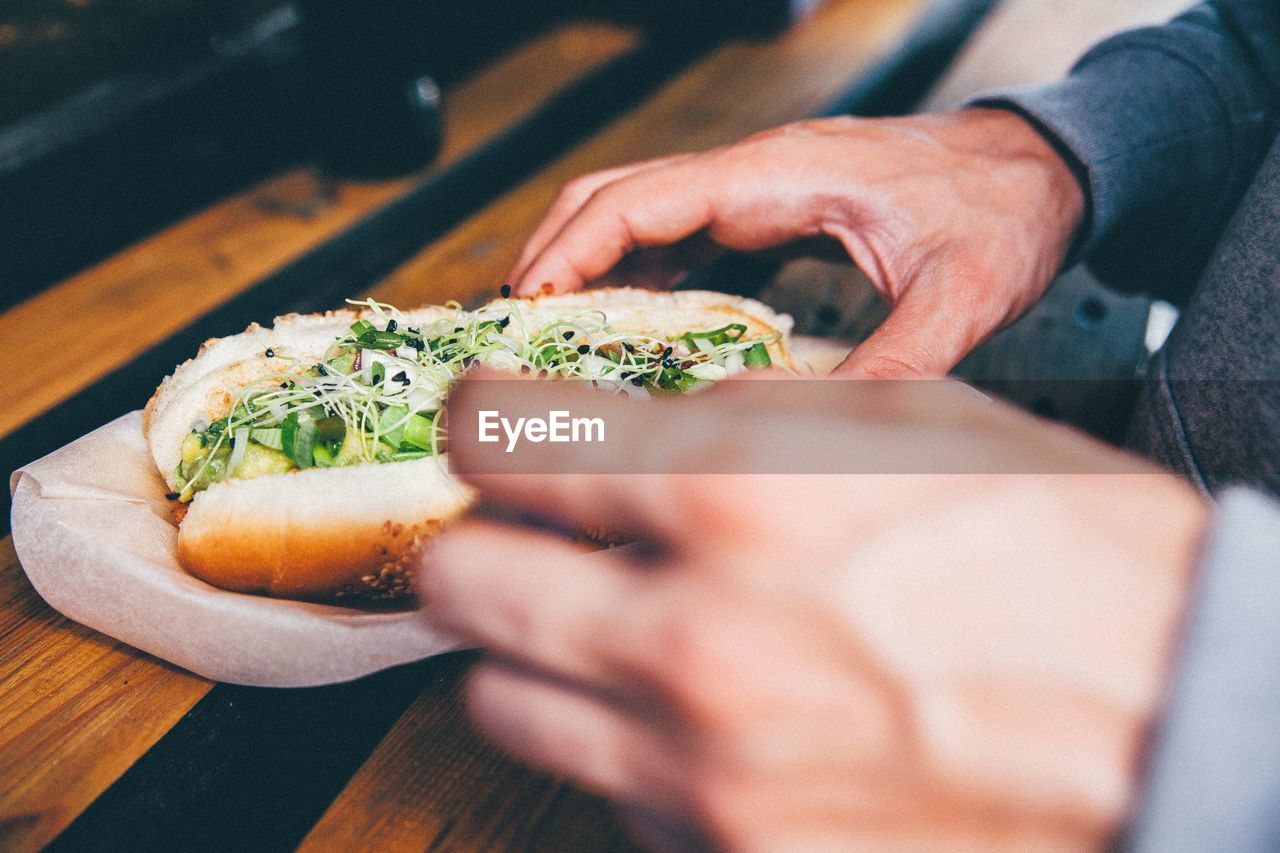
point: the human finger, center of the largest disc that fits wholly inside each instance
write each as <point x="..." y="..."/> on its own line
<point x="622" y="753"/>
<point x="933" y="326"/>
<point x="534" y="598"/>
<point x="655" y="207"/>
<point x="572" y="196"/>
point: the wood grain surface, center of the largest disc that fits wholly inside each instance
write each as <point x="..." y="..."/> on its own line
<point x="738" y="90"/>
<point x="76" y="709"/>
<point x="103" y="317"/>
<point x="432" y="783"/>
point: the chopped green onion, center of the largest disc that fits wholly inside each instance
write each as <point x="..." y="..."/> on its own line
<point x="724" y="335"/>
<point x="332" y="414"/>
<point x="380" y="340"/>
<point x="419" y="432"/>
<point x="390" y="427"/>
<point x="267" y="437"/>
<point x="758" y="356"/>
<point x="298" y="434"/>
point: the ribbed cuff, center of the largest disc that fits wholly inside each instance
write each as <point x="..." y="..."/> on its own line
<point x="1149" y="122"/>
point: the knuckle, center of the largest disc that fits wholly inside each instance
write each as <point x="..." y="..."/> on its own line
<point x="806" y="129"/>
<point x="608" y="196"/>
<point x="578" y="190"/>
<point x="899" y="365"/>
<point x="969" y="282"/>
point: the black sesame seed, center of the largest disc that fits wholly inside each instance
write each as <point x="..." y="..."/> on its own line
<point x="583" y="349"/>
<point x="568" y="335"/>
<point x="504" y="322"/>
<point x="271" y="353"/>
<point x="401" y="377"/>
<point x="628" y="347"/>
<point x="320" y="369"/>
<point x="638" y="381"/>
<point x="666" y="353"/>
<point x="171" y="496"/>
<point x="392" y="325"/>
<point x="505" y="290"/>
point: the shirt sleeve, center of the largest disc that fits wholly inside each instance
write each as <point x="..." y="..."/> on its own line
<point x="1164" y="127"/>
<point x="1213" y="778"/>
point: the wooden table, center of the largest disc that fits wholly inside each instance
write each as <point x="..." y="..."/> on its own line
<point x="102" y="746"/>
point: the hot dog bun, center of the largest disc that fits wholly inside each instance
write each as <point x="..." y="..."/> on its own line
<point x="354" y="531"/>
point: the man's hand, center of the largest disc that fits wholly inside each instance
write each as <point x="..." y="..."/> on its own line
<point x="959" y="219"/>
<point x="844" y="662"/>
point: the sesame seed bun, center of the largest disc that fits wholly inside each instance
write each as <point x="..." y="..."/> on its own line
<point x="355" y="531"/>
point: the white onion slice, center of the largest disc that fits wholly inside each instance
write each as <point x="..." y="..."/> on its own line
<point x="596" y="367"/>
<point x="501" y="360"/>
<point x="370" y="357"/>
<point x="707" y="370"/>
<point x="237" y="453"/>
<point x="421" y="399"/>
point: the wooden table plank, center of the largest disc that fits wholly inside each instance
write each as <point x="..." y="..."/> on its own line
<point x="740" y="89"/>
<point x="435" y="783"/>
<point x="77" y="708"/>
<point x="432" y="783"/>
<point x="110" y="313"/>
<point x="71" y="728"/>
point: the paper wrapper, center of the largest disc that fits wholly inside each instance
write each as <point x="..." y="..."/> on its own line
<point x="96" y="538"/>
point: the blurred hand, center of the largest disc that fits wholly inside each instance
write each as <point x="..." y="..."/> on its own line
<point x="963" y="661"/>
<point x="959" y="219"/>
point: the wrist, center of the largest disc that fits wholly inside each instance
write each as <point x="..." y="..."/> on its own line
<point x="1054" y="194"/>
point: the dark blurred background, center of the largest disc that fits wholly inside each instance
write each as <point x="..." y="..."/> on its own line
<point x="117" y="116"/>
<point x="120" y="117"/>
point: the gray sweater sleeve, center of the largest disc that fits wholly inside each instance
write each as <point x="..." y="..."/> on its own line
<point x="1214" y="770"/>
<point x="1164" y="127"/>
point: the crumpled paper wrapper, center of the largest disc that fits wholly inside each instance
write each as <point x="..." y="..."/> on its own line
<point x="96" y="538"/>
